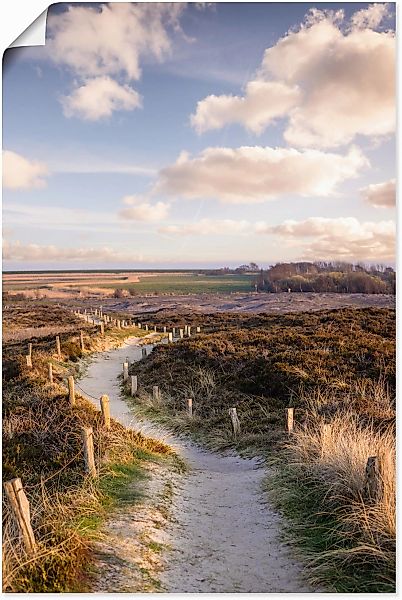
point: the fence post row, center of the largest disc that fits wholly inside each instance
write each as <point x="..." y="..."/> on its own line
<point x="88" y="446"/>
<point x="58" y="347"/>
<point x="289" y="419"/>
<point x="235" y="421"/>
<point x="20" y="508"/>
<point x="105" y="408"/>
<point x="71" y="390"/>
<point x="372" y="483"/>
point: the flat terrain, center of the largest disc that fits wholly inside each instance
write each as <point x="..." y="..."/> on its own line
<point x="103" y="284"/>
<point x="244" y="303"/>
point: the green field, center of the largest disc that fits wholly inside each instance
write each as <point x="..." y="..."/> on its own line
<point x="187" y="284"/>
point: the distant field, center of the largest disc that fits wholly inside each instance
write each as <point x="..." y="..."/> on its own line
<point x="65" y="284"/>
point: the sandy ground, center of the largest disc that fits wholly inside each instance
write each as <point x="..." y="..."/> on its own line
<point x="221" y="534"/>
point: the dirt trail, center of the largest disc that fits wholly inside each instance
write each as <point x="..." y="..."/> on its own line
<point x="222" y="534"/>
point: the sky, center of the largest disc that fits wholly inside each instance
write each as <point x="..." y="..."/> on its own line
<point x="201" y="135"/>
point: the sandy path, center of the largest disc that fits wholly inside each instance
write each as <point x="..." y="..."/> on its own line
<point x="223" y="535"/>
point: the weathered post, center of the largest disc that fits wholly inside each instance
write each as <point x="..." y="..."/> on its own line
<point x="170" y="336"/>
<point x="185" y="329"/>
<point x="50" y="372"/>
<point x="102" y="329"/>
<point x="155" y="393"/>
<point x="58" y="347"/>
<point x="139" y="326"/>
<point x="125" y="371"/>
<point x="155" y="328"/>
<point x="144" y="352"/>
<point x="235" y="421"/>
<point x="190" y="407"/>
<point x="164" y="329"/>
<point x="105" y="408"/>
<point x="189" y="331"/>
<point x="82" y="341"/>
<point x="30" y="349"/>
<point x="181" y="333"/>
<point x="29" y="360"/>
<point x="134" y="385"/>
<point x="71" y="390"/>
<point x="20" y="508"/>
<point x="146" y="327"/>
<point x="198" y="330"/>
<point x="118" y="324"/>
<point x="289" y="419"/>
<point x="372" y="483"/>
<point x="174" y="331"/>
<point x="87" y="435"/>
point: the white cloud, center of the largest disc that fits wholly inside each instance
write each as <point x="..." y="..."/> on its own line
<point x="263" y="102"/>
<point x="111" y="39"/>
<point x="140" y="209"/>
<point x="335" y="83"/>
<point x="104" y="43"/>
<point x="380" y="195"/>
<point x="208" y="227"/>
<point x="20" y="173"/>
<point x="343" y="238"/>
<point x="18" y="251"/>
<point x="99" y="98"/>
<point x="251" y="174"/>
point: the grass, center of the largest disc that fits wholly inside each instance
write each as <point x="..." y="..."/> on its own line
<point x="186" y="284"/>
<point x="42" y="446"/>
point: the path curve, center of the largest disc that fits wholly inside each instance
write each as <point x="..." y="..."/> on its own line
<point x="224" y="535"/>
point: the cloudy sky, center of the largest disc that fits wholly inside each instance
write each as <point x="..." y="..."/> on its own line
<point x="174" y="135"/>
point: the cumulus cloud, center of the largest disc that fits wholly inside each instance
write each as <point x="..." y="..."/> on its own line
<point x="106" y="42"/>
<point x="140" y="209"/>
<point x="263" y="102"/>
<point x="208" y="227"/>
<point x="18" y="251"/>
<point x="99" y="98"/>
<point x="251" y="174"/>
<point x="380" y="195"/>
<point x="20" y="173"/>
<point x="335" y="81"/>
<point x="343" y="238"/>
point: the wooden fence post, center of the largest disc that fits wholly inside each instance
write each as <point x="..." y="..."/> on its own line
<point x="198" y="330"/>
<point x="102" y="329"/>
<point x="181" y="333"/>
<point x="235" y="421"/>
<point x="104" y="402"/>
<point x="325" y="435"/>
<point x="58" y="347"/>
<point x="71" y="390"/>
<point x="134" y="384"/>
<point x="144" y="352"/>
<point x="82" y="341"/>
<point x="146" y="327"/>
<point x="125" y="371"/>
<point x="20" y="507"/>
<point x="88" y="444"/>
<point x="189" y="331"/>
<point x="139" y="326"/>
<point x="50" y="372"/>
<point x="164" y="329"/>
<point x="155" y="392"/>
<point x="155" y="328"/>
<point x="170" y="336"/>
<point x="372" y="483"/>
<point x="30" y="349"/>
<point x="289" y="419"/>
<point x="174" y="331"/>
<point x="190" y="407"/>
<point x="29" y="360"/>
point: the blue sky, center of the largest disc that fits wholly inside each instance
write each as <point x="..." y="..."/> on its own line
<point x="93" y="130"/>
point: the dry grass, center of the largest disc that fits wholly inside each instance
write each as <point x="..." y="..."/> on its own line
<point x="326" y="460"/>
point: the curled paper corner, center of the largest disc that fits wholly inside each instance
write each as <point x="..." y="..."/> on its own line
<point x="34" y="34"/>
